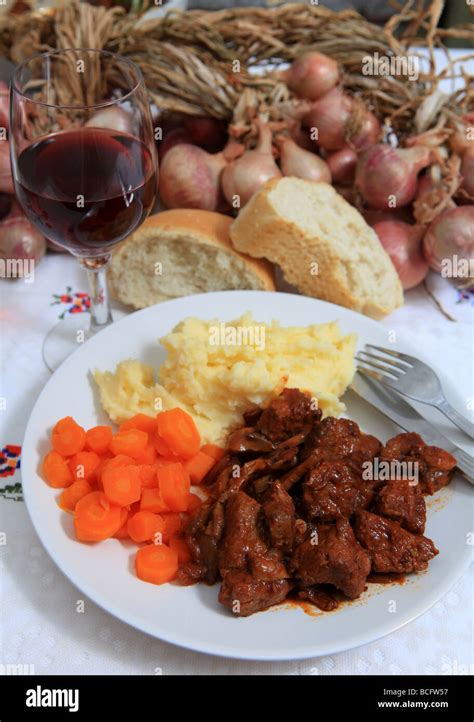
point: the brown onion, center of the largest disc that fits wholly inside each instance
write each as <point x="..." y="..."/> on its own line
<point x="208" y="133"/>
<point x="244" y="176"/>
<point x="300" y="163"/>
<point x="19" y="239"/>
<point x="190" y="178"/>
<point x="388" y="177"/>
<point x="450" y="239"/>
<point x="312" y="75"/>
<point x="330" y="116"/>
<point x="302" y="137"/>
<point x="177" y="136"/>
<point x="6" y="179"/>
<point x="467" y="171"/>
<point x="403" y="244"/>
<point x="342" y="165"/>
<point x="112" y="117"/>
<point x="368" y="133"/>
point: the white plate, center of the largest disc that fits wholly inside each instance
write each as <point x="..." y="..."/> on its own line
<point x="191" y="616"/>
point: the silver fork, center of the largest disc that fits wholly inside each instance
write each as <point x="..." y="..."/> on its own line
<point x="412" y="378"/>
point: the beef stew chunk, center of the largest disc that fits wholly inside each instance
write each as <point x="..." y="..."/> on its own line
<point x="391" y="548"/>
<point x="241" y="533"/>
<point x="287" y="414"/>
<point x="334" y="557"/>
<point x="403" y="502"/>
<point x="435" y="466"/>
<point x="301" y="480"/>
<point x="243" y="594"/>
<point x="279" y="511"/>
<point x="332" y="490"/>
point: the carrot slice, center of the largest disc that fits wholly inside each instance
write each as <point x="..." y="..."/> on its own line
<point x="84" y="464"/>
<point x="141" y="422"/>
<point x="122" y="533"/>
<point x="148" y="456"/>
<point x="198" y="466"/>
<point x="56" y="471"/>
<point x="131" y="443"/>
<point x="122" y="485"/>
<point x="116" y="462"/>
<point x="152" y="501"/>
<point x="148" y="476"/>
<point x="68" y="438"/>
<point x="179" y="545"/>
<point x="70" y="496"/>
<point x="174" y="484"/>
<point x="173" y="525"/>
<point x="213" y="450"/>
<point x="163" y="449"/>
<point x="156" y="563"/>
<point x="179" y="432"/>
<point x="98" y="439"/>
<point x="160" y="462"/>
<point x="145" y="526"/>
<point x="95" y="518"/>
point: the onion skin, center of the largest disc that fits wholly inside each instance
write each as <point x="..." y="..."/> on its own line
<point x="301" y="136"/>
<point x="369" y="133"/>
<point x="451" y="234"/>
<point x="386" y="174"/>
<point x="189" y="178"/>
<point x="244" y="176"/>
<point x="330" y="116"/>
<point x="19" y="239"/>
<point x="207" y="133"/>
<point x="177" y="136"/>
<point x="312" y="75"/>
<point x="6" y="179"/>
<point x="300" y="163"/>
<point x="467" y="171"/>
<point x="403" y="244"/>
<point x="342" y="165"/>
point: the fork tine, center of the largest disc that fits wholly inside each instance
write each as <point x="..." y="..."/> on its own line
<point x="388" y="361"/>
<point x="405" y="358"/>
<point x="382" y="377"/>
<point x="388" y="370"/>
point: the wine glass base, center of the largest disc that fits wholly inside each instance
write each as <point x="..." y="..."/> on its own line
<point x="64" y="338"/>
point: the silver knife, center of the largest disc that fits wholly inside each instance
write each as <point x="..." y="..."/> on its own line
<point x="408" y="419"/>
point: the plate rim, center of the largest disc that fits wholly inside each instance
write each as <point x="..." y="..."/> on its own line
<point x="352" y="641"/>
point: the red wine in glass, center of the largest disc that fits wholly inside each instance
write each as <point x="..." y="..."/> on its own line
<point x="84" y="165"/>
<point x="86" y="189"/>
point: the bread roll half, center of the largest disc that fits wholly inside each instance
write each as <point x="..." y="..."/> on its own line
<point x="322" y="244"/>
<point x="181" y="252"/>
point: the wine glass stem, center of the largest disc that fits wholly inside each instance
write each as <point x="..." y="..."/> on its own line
<point x="96" y="269"/>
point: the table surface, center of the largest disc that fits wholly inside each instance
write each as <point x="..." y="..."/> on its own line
<point x="41" y="628"/>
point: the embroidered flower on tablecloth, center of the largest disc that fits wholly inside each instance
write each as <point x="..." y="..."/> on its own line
<point x="465" y="295"/>
<point x="76" y="302"/>
<point x="10" y="461"/>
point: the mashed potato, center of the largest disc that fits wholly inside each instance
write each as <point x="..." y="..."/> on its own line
<point x="216" y="371"/>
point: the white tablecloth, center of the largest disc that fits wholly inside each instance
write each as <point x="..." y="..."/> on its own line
<point x="41" y="629"/>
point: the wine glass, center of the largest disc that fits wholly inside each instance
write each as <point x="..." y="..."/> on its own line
<point x="84" y="165"/>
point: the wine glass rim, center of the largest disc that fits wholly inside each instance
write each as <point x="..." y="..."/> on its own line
<point x="102" y="104"/>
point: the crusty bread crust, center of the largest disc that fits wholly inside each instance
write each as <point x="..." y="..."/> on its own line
<point x="357" y="274"/>
<point x="212" y="229"/>
<point x="198" y="228"/>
